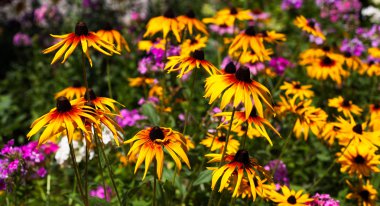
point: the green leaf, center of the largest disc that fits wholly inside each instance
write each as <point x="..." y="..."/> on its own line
<point x="204" y="177"/>
<point x="149" y="111"/>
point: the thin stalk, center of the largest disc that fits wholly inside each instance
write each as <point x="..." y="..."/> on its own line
<point x="109" y="79"/>
<point x="190" y="100"/>
<point x="223" y="154"/>
<point x="154" y="184"/>
<point x="48" y="189"/>
<point x="74" y="191"/>
<point x="76" y="170"/>
<point x="110" y="173"/>
<point x="86" y="172"/>
<point x="84" y="73"/>
<point x="100" y="166"/>
<point x="245" y="136"/>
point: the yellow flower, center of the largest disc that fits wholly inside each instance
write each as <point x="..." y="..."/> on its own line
<point x="218" y="140"/>
<point x="374" y="52"/>
<point x="359" y="159"/>
<point x="193" y="44"/>
<point x="140" y="81"/>
<point x="262" y="188"/>
<point x="190" y="21"/>
<point x="309" y="26"/>
<point x="290" y="197"/>
<point x="111" y="35"/>
<point x="329" y="133"/>
<point x="351" y="61"/>
<point x="238" y="165"/>
<point x="74" y="92"/>
<point x="185" y="64"/>
<point x="104" y="103"/>
<point x="239" y="86"/>
<point x="86" y="38"/>
<point x="325" y="67"/>
<point x="65" y="116"/>
<point x="150" y="143"/>
<point x="345" y="106"/>
<point x="167" y="22"/>
<point x="228" y="16"/>
<point x="297" y="90"/>
<point x="372" y="68"/>
<point x="366" y="194"/>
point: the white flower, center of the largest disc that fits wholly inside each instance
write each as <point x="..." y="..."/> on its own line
<point x="372" y="12"/>
<point x="63" y="153"/>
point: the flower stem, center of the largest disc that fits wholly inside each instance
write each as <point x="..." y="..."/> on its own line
<point x="84" y="73"/>
<point x="100" y="165"/>
<point x="76" y="170"/>
<point x="223" y="154"/>
<point x="86" y="171"/>
<point x="190" y="101"/>
<point x="245" y="136"/>
<point x="110" y="173"/>
<point x="109" y="79"/>
<point x="154" y="184"/>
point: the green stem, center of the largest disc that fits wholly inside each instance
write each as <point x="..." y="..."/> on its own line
<point x="223" y="154"/>
<point x="190" y="101"/>
<point x="76" y="170"/>
<point x="110" y="172"/>
<point x="86" y="172"/>
<point x="84" y="73"/>
<point x="245" y="135"/>
<point x="109" y="79"/>
<point x="48" y="189"/>
<point x="100" y="166"/>
<point x="154" y="184"/>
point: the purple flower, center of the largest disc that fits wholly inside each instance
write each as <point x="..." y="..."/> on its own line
<point x="354" y="47"/>
<point x="256" y="67"/>
<point x="13" y="166"/>
<point x="99" y="192"/>
<point x="129" y="117"/>
<point x="181" y="117"/>
<point x="372" y="34"/>
<point x="41" y="172"/>
<point x="323" y="200"/>
<point x="347" y="10"/>
<point x="315" y="39"/>
<point x="291" y="4"/>
<point x="279" y="64"/>
<point x="221" y="29"/>
<point x="153" y="100"/>
<point x="280" y="176"/>
<point x="21" y="40"/>
<point x="226" y="61"/>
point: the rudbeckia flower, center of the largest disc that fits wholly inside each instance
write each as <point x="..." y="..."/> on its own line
<point x="297" y="90"/>
<point x="190" y="45"/>
<point x="251" y="57"/>
<point x="248" y="39"/>
<point x="366" y="194"/>
<point x="189" y="21"/>
<point x="65" y="116"/>
<point x="345" y="106"/>
<point x="185" y="64"/>
<point x="103" y="103"/>
<point x="374" y="122"/>
<point x="329" y="132"/>
<point x="86" y="38"/>
<point x="374" y="52"/>
<point x="112" y="36"/>
<point x="228" y="16"/>
<point x="218" y="141"/>
<point x="240" y="87"/>
<point x="325" y="67"/>
<point x="290" y="197"/>
<point x="359" y="159"/>
<point x="74" y="92"/>
<point x="167" y="22"/>
<point x="310" y="26"/>
<point x="309" y="119"/>
<point x="151" y="142"/>
<point x="242" y="130"/>
<point x="371" y="68"/>
<point x="253" y="120"/>
<point x="352" y="62"/>
<point x="355" y="132"/>
<point x="262" y="188"/>
<point x="238" y="165"/>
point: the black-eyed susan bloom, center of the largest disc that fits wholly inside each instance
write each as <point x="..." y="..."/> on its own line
<point x="374" y="122"/>
<point x="190" y="21"/>
<point x="329" y="132"/>
<point x="113" y="36"/>
<point x="242" y="130"/>
<point x="344" y="105"/>
<point x="87" y="39"/>
<point x="262" y="187"/>
<point x="103" y="103"/>
<point x="238" y="87"/>
<point x="309" y="119"/>
<point x="297" y="90"/>
<point x="310" y="26"/>
<point x="365" y="194"/>
<point x="151" y="143"/>
<point x="237" y="165"/>
<point x="65" y="117"/>
<point x="359" y="159"/>
<point x="190" y="45"/>
<point x="290" y="197"/>
<point x="186" y="63"/>
<point x="352" y="62"/>
<point x="253" y="120"/>
<point x="374" y="52"/>
<point x="165" y="23"/>
<point x="73" y="92"/>
<point x="248" y="39"/>
<point x="218" y="141"/>
<point x="228" y="16"/>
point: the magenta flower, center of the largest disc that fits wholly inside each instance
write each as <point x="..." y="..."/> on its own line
<point x="221" y="29"/>
<point x="280" y="176"/>
<point x="99" y="192"/>
<point x="21" y="40"/>
<point x="291" y="4"/>
<point x="323" y="200"/>
<point x="279" y="64"/>
<point x="354" y="47"/>
<point x="129" y="117"/>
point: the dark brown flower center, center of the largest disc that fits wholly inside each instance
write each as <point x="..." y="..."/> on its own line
<point x="326" y="48"/>
<point x="336" y="128"/>
<point x="257" y="11"/>
<point x="233" y="11"/>
<point x="243" y="128"/>
<point x="358" y="129"/>
<point x="222" y="138"/>
<point x="250" y="31"/>
<point x="81" y="29"/>
<point x="77" y="84"/>
<point x="292" y="200"/>
<point x="370" y="63"/>
<point x="63" y="104"/>
<point x="346" y="103"/>
<point x="253" y="113"/>
<point x="190" y="14"/>
<point x="224" y="26"/>
<point x="376" y="106"/>
<point x="242" y="156"/>
<point x="327" y="61"/>
<point x="193" y="41"/>
<point x="108" y="26"/>
<point x="91" y="94"/>
<point x="198" y="54"/>
<point x="359" y="159"/>
<point x="91" y="105"/>
<point x="230" y="68"/>
<point x="364" y="194"/>
<point x="243" y="74"/>
<point x="156" y="133"/>
<point x="311" y="23"/>
<point x="347" y="54"/>
<point x="169" y="14"/>
<point x="297" y="86"/>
